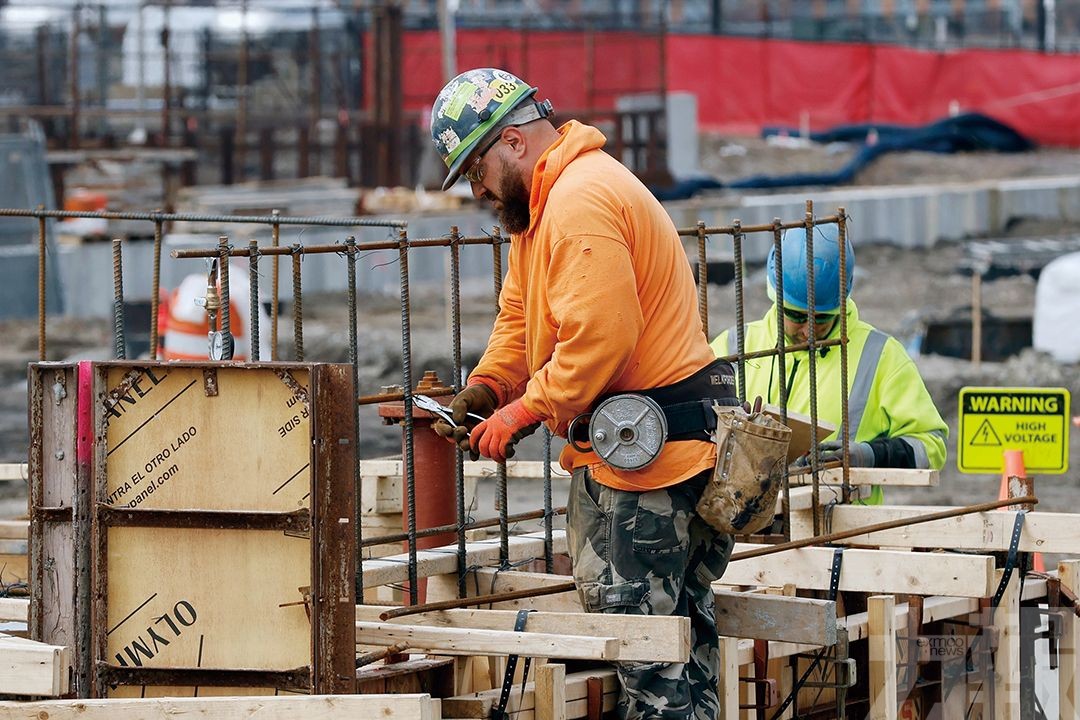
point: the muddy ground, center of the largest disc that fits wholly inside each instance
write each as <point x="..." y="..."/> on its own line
<point x="896" y="290"/>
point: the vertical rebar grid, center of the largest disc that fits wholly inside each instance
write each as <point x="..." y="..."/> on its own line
<point x="846" y="433"/>
<point x="155" y="290"/>
<point x="298" y="303"/>
<point x="253" y="299"/>
<point x="811" y="351"/>
<point x="41" y="286"/>
<point x="740" y="313"/>
<point x="275" y="241"/>
<point x="549" y="543"/>
<point x="350" y="261"/>
<point x="407" y="386"/>
<point x="118" y="301"/>
<point x="501" y="501"/>
<point x="459" y="457"/>
<point x="781" y="358"/>
<point x="702" y="277"/>
<point x="227" y="344"/>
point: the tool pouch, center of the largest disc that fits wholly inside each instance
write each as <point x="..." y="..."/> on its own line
<point x="751" y="453"/>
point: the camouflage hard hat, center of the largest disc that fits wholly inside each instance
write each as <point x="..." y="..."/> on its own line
<point x="470" y="106"/>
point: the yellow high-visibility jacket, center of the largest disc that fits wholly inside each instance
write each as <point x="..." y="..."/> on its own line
<point x="888" y="404"/>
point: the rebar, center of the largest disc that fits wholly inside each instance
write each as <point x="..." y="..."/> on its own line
<point x="298" y="303"/>
<point x="377" y="655"/>
<point x="747" y="229"/>
<point x="155" y="290"/>
<point x="253" y="299"/>
<point x="781" y="364"/>
<point x="740" y="316"/>
<point x="811" y="359"/>
<point x="703" y="277"/>
<point x="315" y="220"/>
<point x="549" y="515"/>
<point x="459" y="457"/>
<point x="407" y="385"/>
<point x="501" y="498"/>
<point x="41" y="288"/>
<point x="118" y="301"/>
<point x="477" y="600"/>
<point x="275" y="241"/>
<point x="354" y="362"/>
<point x="847" y="432"/>
<point x="476" y="525"/>
<point x="335" y="248"/>
<point x="227" y="344"/>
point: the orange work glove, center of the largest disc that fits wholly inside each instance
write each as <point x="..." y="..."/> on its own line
<point x="496" y="436"/>
<point x="476" y="398"/>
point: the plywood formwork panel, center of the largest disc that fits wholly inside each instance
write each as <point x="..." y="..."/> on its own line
<point x="223" y="528"/>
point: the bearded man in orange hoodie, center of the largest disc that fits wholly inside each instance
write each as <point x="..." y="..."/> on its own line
<point x="598" y="301"/>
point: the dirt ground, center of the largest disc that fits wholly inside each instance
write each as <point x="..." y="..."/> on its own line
<point x="896" y="289"/>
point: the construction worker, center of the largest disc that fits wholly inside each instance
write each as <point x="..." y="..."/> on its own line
<point x="598" y="300"/>
<point x="185" y="328"/>
<point x="894" y="422"/>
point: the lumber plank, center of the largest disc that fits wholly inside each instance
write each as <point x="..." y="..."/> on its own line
<point x="525" y="469"/>
<point x="1007" y="657"/>
<point x="776" y="617"/>
<point x="890" y="477"/>
<point x="14" y="529"/>
<point x="1069" y="647"/>
<point x="729" y="678"/>
<point x="986" y="531"/>
<point x="14" y="569"/>
<point x="467" y="641"/>
<point x="550" y="690"/>
<point x="737" y="614"/>
<point x="14" y="609"/>
<point x="443" y="560"/>
<point x="642" y="638"/>
<point x="15" y="472"/>
<point x="284" y="707"/>
<point x="882" y="628"/>
<point x="479" y="705"/>
<point x="877" y="571"/>
<point x="32" y="668"/>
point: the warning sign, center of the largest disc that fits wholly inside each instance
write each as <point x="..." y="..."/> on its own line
<point x="992" y="420"/>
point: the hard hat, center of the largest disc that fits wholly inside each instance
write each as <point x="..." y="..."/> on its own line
<point x="826" y="269"/>
<point x="471" y="106"/>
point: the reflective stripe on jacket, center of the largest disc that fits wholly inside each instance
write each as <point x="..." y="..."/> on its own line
<point x="886" y="395"/>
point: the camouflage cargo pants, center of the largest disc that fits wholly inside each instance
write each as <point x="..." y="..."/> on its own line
<point x="650" y="554"/>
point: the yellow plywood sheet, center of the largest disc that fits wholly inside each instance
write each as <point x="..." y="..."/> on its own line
<point x="173" y="446"/>
<point x="207" y="598"/>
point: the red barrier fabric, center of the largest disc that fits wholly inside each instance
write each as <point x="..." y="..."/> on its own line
<point x="744" y="84"/>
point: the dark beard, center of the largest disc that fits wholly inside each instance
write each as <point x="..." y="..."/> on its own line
<point x="514" y="216"/>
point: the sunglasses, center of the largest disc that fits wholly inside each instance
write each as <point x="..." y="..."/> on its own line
<point x="475" y="173"/>
<point x="801" y="318"/>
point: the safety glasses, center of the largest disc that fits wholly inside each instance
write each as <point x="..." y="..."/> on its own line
<point x="475" y="173"/>
<point x="801" y="318"/>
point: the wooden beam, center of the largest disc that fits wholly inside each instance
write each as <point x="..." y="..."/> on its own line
<point x="882" y="623"/>
<point x="642" y="638"/>
<point x="550" y="690"/>
<point x="466" y="641"/>
<point x="13" y="471"/>
<point x="32" y="668"/>
<point x="1007" y="657"/>
<point x="890" y="477"/>
<point x="737" y="614"/>
<point x="875" y="571"/>
<point x="479" y="705"/>
<point x="987" y="531"/>
<point x="14" y="609"/>
<point x="14" y="529"/>
<point x="443" y="560"/>
<point x="776" y="617"/>
<point x="1069" y="646"/>
<point x="729" y="678"/>
<point x="284" y="707"/>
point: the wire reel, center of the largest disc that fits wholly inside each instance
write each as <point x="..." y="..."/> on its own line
<point x="627" y="431"/>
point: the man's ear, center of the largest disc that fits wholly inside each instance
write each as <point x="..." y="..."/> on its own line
<point x="513" y="137"/>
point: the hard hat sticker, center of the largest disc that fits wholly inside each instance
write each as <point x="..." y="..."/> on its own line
<point x="457" y="102"/>
<point x="449" y="139"/>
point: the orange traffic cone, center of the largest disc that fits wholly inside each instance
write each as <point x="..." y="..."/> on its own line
<point x="1014" y="467"/>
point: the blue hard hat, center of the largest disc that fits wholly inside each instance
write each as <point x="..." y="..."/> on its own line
<point x="826" y="269"/>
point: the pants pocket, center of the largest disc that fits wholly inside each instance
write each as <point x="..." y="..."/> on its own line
<point x="625" y="598"/>
<point x="661" y="522"/>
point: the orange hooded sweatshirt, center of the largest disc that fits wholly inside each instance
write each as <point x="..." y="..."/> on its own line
<point x="598" y="298"/>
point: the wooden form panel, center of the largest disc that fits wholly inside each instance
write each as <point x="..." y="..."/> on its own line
<point x="223" y="539"/>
